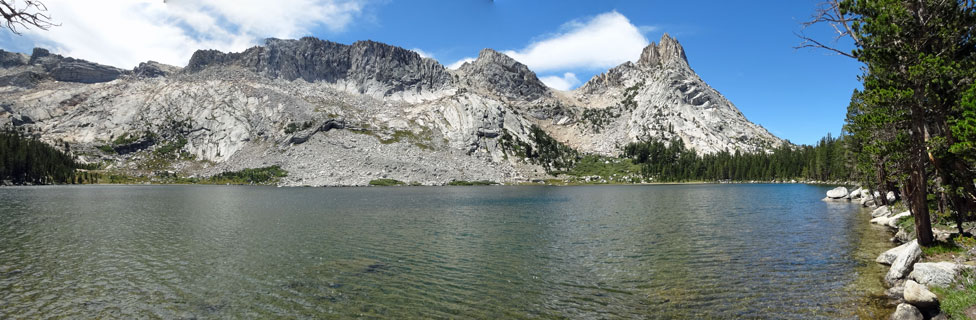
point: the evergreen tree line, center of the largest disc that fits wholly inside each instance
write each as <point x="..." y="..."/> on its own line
<point x="673" y="162"/>
<point x="28" y="160"/>
<point x="913" y="126"/>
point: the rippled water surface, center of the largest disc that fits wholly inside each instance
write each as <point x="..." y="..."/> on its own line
<point x="676" y="251"/>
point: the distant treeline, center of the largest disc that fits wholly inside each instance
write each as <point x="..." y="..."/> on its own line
<point x="673" y="162"/>
<point x="28" y="160"/>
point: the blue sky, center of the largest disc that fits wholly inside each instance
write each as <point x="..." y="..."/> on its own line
<point x="744" y="49"/>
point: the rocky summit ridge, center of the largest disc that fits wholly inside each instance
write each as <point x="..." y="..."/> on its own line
<point x="337" y="114"/>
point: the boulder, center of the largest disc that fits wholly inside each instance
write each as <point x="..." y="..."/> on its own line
<point x="891" y="196"/>
<point x="893" y="220"/>
<point x="904" y="236"/>
<point x="880" y="220"/>
<point x="867" y="201"/>
<point x="888" y="257"/>
<point x="906" y="311"/>
<point x="902" y="265"/>
<point x="855" y="194"/>
<point x="919" y="296"/>
<point x="881" y="211"/>
<point x="938" y="274"/>
<point x="837" y="193"/>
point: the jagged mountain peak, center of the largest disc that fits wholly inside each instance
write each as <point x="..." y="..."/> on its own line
<point x="666" y="52"/>
<point x="501" y="75"/>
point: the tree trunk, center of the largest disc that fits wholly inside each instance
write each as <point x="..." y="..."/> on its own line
<point x="918" y="182"/>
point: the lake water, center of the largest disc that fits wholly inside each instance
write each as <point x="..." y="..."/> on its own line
<point x="660" y="251"/>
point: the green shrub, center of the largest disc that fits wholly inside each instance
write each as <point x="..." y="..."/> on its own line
<point x="955" y="299"/>
<point x="263" y="175"/>
<point x="941" y="247"/>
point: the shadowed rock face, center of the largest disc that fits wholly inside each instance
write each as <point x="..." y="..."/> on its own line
<point x="73" y="70"/>
<point x="501" y="75"/>
<point x="364" y="64"/>
<point x="13" y="59"/>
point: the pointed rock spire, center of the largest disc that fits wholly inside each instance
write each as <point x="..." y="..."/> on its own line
<point x="666" y="51"/>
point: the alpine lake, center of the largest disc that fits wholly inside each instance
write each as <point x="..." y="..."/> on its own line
<point x="486" y="252"/>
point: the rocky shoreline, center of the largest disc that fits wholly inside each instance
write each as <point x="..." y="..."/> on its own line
<point x="913" y="275"/>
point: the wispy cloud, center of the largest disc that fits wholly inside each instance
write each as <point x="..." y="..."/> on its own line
<point x="125" y="32"/>
<point x="457" y="64"/>
<point x="422" y="53"/>
<point x="567" y="81"/>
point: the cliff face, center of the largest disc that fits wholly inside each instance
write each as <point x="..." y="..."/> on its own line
<point x="335" y="114"/>
<point x="365" y="67"/>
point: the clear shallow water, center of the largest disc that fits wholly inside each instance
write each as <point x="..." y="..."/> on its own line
<point x="670" y="251"/>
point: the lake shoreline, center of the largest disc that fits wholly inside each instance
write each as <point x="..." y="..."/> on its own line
<point x="889" y="287"/>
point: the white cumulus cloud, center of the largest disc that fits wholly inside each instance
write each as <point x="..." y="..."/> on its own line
<point x="566" y="82"/>
<point x="123" y="33"/>
<point x="603" y="41"/>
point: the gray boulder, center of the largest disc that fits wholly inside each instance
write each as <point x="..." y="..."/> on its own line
<point x="837" y="193"/>
<point x="919" y="296"/>
<point x="902" y="265"/>
<point x="881" y="211"/>
<point x="893" y="220"/>
<point x="888" y="257"/>
<point x="855" y="194"/>
<point x="906" y="311"/>
<point x="904" y="236"/>
<point x="890" y="196"/>
<point x="938" y="274"/>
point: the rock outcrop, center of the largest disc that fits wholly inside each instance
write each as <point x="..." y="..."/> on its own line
<point x="364" y="67"/>
<point x="73" y="70"/>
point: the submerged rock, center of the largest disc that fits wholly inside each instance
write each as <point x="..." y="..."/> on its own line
<point x="906" y="311"/>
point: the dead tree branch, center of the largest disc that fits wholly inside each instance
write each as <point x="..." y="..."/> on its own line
<point x="832" y="14"/>
<point x="25" y="15"/>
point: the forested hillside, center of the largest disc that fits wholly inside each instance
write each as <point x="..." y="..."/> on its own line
<point x="672" y="161"/>
<point x="25" y="160"/>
